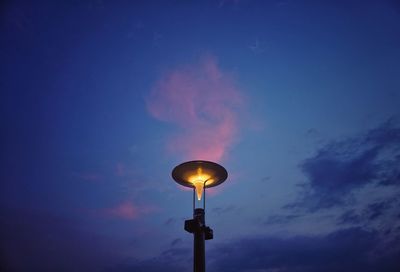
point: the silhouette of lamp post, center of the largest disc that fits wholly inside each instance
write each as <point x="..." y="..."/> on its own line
<point x="199" y="175"/>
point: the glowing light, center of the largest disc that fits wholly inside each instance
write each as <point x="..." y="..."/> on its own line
<point x="199" y="175"/>
<point x="199" y="180"/>
<point x="199" y="189"/>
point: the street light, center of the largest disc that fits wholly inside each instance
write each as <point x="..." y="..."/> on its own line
<point x="199" y="175"/>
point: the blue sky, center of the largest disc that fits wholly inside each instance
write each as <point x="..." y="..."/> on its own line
<point x="298" y="100"/>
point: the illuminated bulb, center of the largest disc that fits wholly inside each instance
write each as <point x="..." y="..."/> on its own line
<point x="199" y="184"/>
<point x="199" y="175"/>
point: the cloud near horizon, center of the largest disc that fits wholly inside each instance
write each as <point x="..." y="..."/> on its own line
<point x="349" y="249"/>
<point x="203" y="102"/>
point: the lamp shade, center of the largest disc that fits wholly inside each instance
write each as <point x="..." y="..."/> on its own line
<point x="190" y="173"/>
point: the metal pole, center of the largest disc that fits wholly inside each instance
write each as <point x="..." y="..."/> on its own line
<point x="201" y="232"/>
<point x="199" y="245"/>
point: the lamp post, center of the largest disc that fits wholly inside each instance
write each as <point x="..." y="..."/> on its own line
<point x="199" y="175"/>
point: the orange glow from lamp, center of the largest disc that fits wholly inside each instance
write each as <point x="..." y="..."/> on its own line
<point x="199" y="175"/>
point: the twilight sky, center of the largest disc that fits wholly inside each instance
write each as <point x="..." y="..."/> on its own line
<point x="298" y="100"/>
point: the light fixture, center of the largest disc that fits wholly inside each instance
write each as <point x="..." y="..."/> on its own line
<point x="199" y="175"/>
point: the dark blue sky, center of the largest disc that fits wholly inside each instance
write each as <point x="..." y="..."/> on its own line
<point x="298" y="100"/>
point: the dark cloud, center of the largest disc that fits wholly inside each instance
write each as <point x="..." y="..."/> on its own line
<point x="351" y="249"/>
<point x="177" y="254"/>
<point x="350" y="217"/>
<point x="151" y="265"/>
<point x="340" y="167"/>
<point x="390" y="174"/>
<point x="176" y="241"/>
<point x="171" y="260"/>
<point x="281" y="219"/>
<point x="170" y="221"/>
<point x="312" y="132"/>
<point x="327" y="172"/>
<point x="371" y="212"/>
<point x="224" y="210"/>
<point x="265" y="179"/>
<point x="376" y="209"/>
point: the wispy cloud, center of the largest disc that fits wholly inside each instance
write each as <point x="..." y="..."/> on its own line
<point x="203" y="102"/>
<point x="127" y="210"/>
<point x="374" y="211"/>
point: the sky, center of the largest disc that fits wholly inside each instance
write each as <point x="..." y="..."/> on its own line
<point x="298" y="100"/>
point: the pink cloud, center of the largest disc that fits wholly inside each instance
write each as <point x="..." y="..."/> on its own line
<point x="127" y="210"/>
<point x="203" y="102"/>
